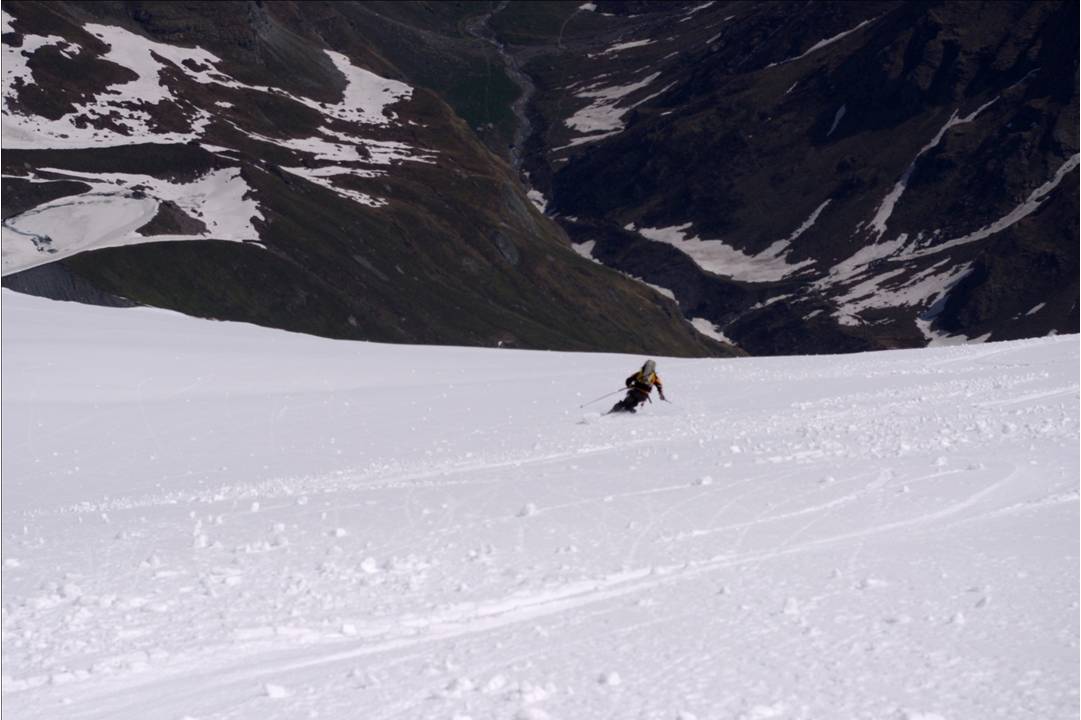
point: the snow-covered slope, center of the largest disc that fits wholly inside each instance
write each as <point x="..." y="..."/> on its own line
<point x="207" y="520"/>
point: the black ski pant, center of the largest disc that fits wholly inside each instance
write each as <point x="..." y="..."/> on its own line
<point x="634" y="398"/>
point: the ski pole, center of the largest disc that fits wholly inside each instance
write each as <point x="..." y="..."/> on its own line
<point x="602" y="397"/>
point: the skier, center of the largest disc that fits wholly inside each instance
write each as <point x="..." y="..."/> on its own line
<point x="639" y="386"/>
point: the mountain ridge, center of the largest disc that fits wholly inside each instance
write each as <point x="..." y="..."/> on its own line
<point x="836" y="156"/>
<point x="381" y="217"/>
<point x="831" y="177"/>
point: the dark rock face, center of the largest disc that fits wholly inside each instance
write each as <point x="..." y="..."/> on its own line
<point x="56" y="282"/>
<point x="298" y="165"/>
<point x="869" y="175"/>
<point x="172" y="220"/>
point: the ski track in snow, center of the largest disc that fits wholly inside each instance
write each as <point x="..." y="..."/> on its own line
<point x="210" y="520"/>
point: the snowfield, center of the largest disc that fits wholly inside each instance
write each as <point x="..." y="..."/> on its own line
<point x="213" y="520"/>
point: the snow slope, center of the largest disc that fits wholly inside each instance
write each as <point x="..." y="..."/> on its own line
<point x="209" y="520"/>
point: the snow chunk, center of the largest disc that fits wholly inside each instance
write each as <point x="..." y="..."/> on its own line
<point x="533" y="713"/>
<point x="495" y="684"/>
<point x="610" y="679"/>
<point x="458" y="687"/>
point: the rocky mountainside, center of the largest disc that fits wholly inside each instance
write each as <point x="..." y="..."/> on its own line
<point x="309" y="166"/>
<point x="820" y="176"/>
<point x="798" y="177"/>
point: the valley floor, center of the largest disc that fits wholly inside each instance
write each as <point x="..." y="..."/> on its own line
<point x="212" y="520"/>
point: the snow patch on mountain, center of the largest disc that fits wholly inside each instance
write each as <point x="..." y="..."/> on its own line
<point x="537" y="198"/>
<point x="325" y="177"/>
<point x="124" y="113"/>
<point x="120" y="115"/>
<point x="1031" y="204"/>
<point x="889" y="202"/>
<point x="804" y="227"/>
<point x="1036" y="308"/>
<point x="715" y="256"/>
<point x="836" y="117"/>
<point x="16" y="69"/>
<point x="709" y="329"/>
<point x="824" y="43"/>
<point x="110" y="213"/>
<point x="585" y="249"/>
<point x="938" y="338"/>
<point x="366" y="95"/>
<point x="858" y="263"/>
<point x="620" y="47"/>
<point x="602" y="115"/>
<point x="693" y="10"/>
<point x="900" y="287"/>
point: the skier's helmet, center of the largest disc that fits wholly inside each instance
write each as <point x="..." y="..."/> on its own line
<point x="649" y="368"/>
